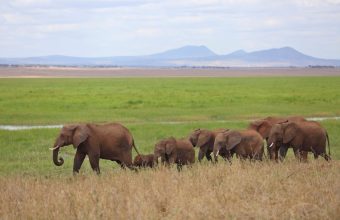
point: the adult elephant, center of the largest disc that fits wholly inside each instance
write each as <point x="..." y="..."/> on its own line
<point x="107" y="141"/>
<point x="303" y="136"/>
<point x="245" y="144"/>
<point x="263" y="126"/>
<point x="171" y="150"/>
<point x="204" y="140"/>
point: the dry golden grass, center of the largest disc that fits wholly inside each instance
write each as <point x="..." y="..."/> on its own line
<point x="265" y="190"/>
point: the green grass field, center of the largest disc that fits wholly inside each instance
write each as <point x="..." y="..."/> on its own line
<point x="151" y="109"/>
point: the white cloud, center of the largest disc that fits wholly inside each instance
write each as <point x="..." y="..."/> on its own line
<point x="148" y="32"/>
<point x="224" y="25"/>
<point x="17" y="18"/>
<point x="24" y="3"/>
<point x="58" y="27"/>
<point x="315" y="3"/>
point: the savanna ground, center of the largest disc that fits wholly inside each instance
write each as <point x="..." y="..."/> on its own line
<point x="153" y="108"/>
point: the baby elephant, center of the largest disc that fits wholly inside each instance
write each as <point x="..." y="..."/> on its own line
<point x="245" y="144"/>
<point x="171" y="150"/>
<point x="143" y="160"/>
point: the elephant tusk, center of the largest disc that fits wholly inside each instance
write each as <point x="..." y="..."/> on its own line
<point x="54" y="148"/>
<point x="217" y="153"/>
<point x="271" y="144"/>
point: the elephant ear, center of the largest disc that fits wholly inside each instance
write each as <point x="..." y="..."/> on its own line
<point x="170" y="145"/>
<point x="203" y="138"/>
<point x="289" y="132"/>
<point x="80" y="135"/>
<point x="234" y="138"/>
<point x="264" y="129"/>
<point x="260" y="126"/>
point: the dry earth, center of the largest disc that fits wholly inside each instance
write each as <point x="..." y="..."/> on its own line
<point x="75" y="72"/>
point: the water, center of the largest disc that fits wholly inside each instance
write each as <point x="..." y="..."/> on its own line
<point x="27" y="127"/>
<point x="30" y="127"/>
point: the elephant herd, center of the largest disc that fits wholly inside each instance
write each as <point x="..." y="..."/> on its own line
<point x="115" y="142"/>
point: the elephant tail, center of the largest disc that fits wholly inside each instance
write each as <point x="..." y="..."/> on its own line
<point x="329" y="148"/>
<point x="134" y="146"/>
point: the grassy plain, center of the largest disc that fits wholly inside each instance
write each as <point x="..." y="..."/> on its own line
<point x="51" y="101"/>
<point x="153" y="109"/>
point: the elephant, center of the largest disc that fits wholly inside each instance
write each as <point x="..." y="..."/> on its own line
<point x="110" y="141"/>
<point x="171" y="150"/>
<point x="303" y="136"/>
<point x="263" y="126"/>
<point x="204" y="140"/>
<point x="144" y="160"/>
<point x="245" y="144"/>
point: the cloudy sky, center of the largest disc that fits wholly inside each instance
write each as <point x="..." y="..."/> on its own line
<point x="133" y="27"/>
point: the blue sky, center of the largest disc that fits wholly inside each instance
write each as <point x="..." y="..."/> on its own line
<point x="132" y="27"/>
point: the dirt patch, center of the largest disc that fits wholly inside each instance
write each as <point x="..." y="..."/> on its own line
<point x="76" y="72"/>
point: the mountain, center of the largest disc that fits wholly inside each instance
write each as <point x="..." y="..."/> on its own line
<point x="186" y="56"/>
<point x="238" y="53"/>
<point x="275" y="57"/>
<point x="185" y="52"/>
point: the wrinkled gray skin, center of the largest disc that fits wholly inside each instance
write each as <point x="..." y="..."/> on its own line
<point x="245" y="144"/>
<point x="107" y="141"/>
<point x="303" y="136"/>
<point x="204" y="140"/>
<point x="171" y="150"/>
<point x="263" y="126"/>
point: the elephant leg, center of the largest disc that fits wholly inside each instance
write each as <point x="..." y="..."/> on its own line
<point x="94" y="161"/>
<point x="200" y="155"/>
<point x="122" y="165"/>
<point x="179" y="167"/>
<point x="316" y="156"/>
<point x="229" y="160"/>
<point x="208" y="156"/>
<point x="303" y="156"/>
<point x="296" y="153"/>
<point x="283" y="152"/>
<point x="326" y="156"/>
<point x="229" y="156"/>
<point x="78" y="161"/>
<point x="257" y="156"/>
<point x="126" y="161"/>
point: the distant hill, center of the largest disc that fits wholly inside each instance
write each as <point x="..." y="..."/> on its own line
<point x="185" y="52"/>
<point x="187" y="56"/>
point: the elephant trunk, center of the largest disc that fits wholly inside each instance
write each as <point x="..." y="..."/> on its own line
<point x="283" y="152"/>
<point x="57" y="161"/>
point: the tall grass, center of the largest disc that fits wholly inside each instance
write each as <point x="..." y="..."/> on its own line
<point x="241" y="191"/>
